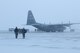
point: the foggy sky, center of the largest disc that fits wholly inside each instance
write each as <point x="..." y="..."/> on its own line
<point x="14" y="12"/>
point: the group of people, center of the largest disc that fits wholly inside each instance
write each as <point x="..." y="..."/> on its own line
<point x="16" y="31"/>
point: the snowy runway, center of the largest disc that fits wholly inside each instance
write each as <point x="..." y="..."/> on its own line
<point x="40" y="43"/>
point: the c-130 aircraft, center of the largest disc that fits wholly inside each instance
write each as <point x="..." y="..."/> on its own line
<point x="45" y="27"/>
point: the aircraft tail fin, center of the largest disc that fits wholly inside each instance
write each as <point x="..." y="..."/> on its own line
<point x="30" y="18"/>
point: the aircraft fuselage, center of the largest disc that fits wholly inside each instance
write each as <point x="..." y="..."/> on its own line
<point x="50" y="28"/>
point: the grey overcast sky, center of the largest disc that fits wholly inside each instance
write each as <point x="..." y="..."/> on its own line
<point x="14" y="12"/>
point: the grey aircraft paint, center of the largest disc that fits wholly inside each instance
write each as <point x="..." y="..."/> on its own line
<point x="45" y="27"/>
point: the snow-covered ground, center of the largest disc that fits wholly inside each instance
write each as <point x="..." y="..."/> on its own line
<point x="40" y="43"/>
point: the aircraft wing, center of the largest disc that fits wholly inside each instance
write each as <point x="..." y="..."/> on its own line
<point x="67" y="24"/>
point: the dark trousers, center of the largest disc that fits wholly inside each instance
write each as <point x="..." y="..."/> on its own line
<point x="23" y="35"/>
<point x="16" y="35"/>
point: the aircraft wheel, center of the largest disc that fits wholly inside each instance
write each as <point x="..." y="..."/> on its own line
<point x="47" y="31"/>
<point x="60" y="30"/>
<point x="53" y="31"/>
